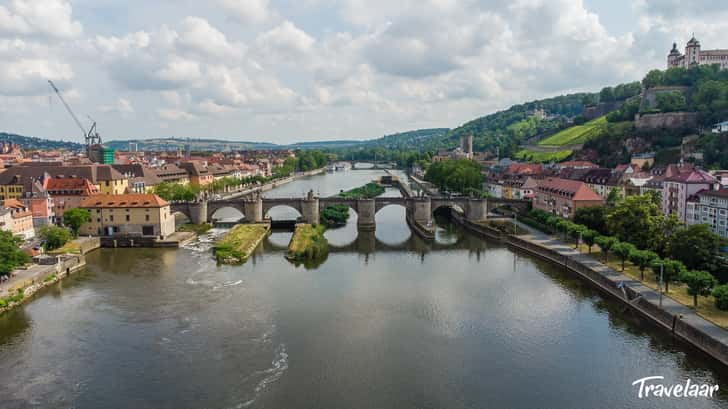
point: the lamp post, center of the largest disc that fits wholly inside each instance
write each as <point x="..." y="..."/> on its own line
<point x="662" y="269"/>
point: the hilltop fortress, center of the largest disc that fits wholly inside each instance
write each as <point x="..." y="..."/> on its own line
<point x="695" y="56"/>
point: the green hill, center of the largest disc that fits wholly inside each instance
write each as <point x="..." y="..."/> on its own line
<point x="32" y="143"/>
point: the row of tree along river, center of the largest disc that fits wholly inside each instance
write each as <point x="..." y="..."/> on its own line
<point x="387" y="320"/>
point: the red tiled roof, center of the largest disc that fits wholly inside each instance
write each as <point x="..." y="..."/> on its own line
<point x="524" y="169"/>
<point x="577" y="164"/>
<point x="124" y="201"/>
<point x="577" y="190"/>
<point x="69" y="184"/>
<point x="693" y="176"/>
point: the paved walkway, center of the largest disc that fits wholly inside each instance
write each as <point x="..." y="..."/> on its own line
<point x="23" y="277"/>
<point x="668" y="304"/>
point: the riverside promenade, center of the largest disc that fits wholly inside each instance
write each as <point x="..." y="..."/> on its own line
<point x="682" y="321"/>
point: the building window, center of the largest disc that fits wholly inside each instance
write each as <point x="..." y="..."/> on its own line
<point x="127" y="217"/>
<point x="147" y="217"/>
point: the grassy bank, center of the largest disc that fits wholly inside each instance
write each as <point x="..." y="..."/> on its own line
<point x="195" y="228"/>
<point x="368" y="191"/>
<point x="239" y="243"/>
<point x="308" y="244"/>
<point x="71" y="247"/>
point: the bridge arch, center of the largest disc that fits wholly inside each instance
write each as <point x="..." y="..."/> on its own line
<point x="282" y="211"/>
<point x="214" y="207"/>
<point x="233" y="212"/>
<point x="452" y="205"/>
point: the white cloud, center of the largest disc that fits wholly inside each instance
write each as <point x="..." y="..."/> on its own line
<point x="246" y="11"/>
<point x="122" y="106"/>
<point x="199" y="36"/>
<point x="51" y="18"/>
<point x="285" y="41"/>
<point x="361" y="66"/>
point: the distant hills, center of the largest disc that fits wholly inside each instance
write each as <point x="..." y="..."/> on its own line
<point x="31" y="143"/>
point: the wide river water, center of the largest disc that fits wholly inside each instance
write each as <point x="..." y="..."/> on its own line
<point x="386" y="321"/>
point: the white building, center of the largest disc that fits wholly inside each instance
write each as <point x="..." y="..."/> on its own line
<point x="676" y="191"/>
<point x="711" y="208"/>
<point x="695" y="56"/>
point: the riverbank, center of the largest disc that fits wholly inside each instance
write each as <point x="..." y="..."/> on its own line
<point x="240" y="242"/>
<point x="662" y="311"/>
<point x="272" y="184"/>
<point x="30" y="280"/>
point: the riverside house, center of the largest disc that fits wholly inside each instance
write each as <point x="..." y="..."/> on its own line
<point x="563" y="196"/>
<point x="21" y="218"/>
<point x="142" y="215"/>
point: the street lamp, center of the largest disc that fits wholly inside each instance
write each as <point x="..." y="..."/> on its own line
<point x="662" y="269"/>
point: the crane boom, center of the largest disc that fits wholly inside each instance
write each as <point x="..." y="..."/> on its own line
<point x="68" y="108"/>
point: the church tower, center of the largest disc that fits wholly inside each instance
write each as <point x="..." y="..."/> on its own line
<point x="674" y="57"/>
<point x="692" y="52"/>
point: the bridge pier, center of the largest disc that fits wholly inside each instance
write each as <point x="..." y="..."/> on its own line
<point x="366" y="210"/>
<point x="198" y="212"/>
<point x="422" y="210"/>
<point x="477" y="210"/>
<point x="310" y="210"/>
<point x="254" y="210"/>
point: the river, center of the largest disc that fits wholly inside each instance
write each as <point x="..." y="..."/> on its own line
<point x="386" y="321"/>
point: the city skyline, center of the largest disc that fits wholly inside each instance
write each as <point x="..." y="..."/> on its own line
<point x="283" y="72"/>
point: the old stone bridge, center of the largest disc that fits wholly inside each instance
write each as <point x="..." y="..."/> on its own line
<point x="419" y="210"/>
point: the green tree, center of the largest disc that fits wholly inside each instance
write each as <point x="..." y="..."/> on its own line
<point x="75" y="218"/>
<point x="671" y="101"/>
<point x="664" y="233"/>
<point x="699" y="283"/>
<point x="11" y="256"/>
<point x="634" y="220"/>
<point x="697" y="247"/>
<point x="593" y="217"/>
<point x="54" y="237"/>
<point x="606" y="95"/>
<point x="721" y="297"/>
<point x="455" y="175"/>
<point x="642" y="259"/>
<point x="613" y="197"/>
<point x="653" y="78"/>
<point x="576" y="231"/>
<point x="670" y="269"/>
<point x="623" y="249"/>
<point x="605" y="243"/>
<point x="589" y="236"/>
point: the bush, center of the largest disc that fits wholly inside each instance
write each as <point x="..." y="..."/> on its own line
<point x="335" y="215"/>
<point x="721" y="297"/>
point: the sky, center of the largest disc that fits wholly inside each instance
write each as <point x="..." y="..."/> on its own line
<point x="286" y="71"/>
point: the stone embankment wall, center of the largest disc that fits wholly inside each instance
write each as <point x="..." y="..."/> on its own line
<point x="66" y="265"/>
<point x="627" y="294"/>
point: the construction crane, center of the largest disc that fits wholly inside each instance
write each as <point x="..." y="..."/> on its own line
<point x="91" y="137"/>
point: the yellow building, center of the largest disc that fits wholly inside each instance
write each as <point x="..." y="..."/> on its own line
<point x="11" y="192"/>
<point x="144" y="215"/>
<point x="107" y="179"/>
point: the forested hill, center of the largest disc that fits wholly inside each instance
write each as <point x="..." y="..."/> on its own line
<point x="32" y="143"/>
<point x="513" y="126"/>
<point x="408" y="140"/>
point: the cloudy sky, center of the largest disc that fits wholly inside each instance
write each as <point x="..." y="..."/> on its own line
<point x="301" y="70"/>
